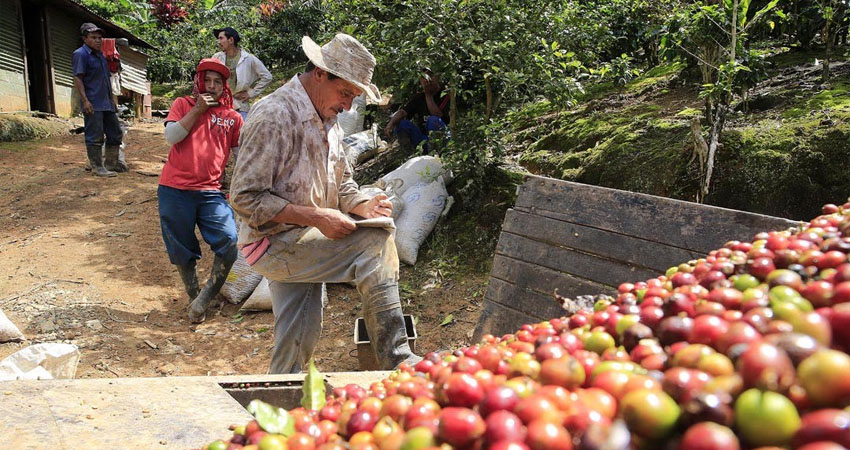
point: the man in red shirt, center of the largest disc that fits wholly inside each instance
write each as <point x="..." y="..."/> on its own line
<point x="202" y="130"/>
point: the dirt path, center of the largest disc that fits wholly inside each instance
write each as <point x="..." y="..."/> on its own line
<point x="85" y="263"/>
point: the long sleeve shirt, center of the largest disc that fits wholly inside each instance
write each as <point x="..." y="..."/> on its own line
<point x="287" y="154"/>
<point x="252" y="76"/>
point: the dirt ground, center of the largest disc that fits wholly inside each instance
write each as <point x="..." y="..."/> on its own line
<point x="85" y="264"/>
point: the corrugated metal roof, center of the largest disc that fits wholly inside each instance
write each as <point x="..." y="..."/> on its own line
<point x="111" y="29"/>
<point x="133" y="70"/>
<point x="65" y="38"/>
<point x="11" y="53"/>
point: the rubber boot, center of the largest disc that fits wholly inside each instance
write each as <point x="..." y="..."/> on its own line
<point x="190" y="278"/>
<point x="96" y="160"/>
<point x="385" y="325"/>
<point x="218" y="275"/>
<point x="112" y="160"/>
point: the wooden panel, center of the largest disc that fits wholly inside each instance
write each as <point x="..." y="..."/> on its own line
<point x="540" y="306"/>
<point x="611" y="245"/>
<point x="542" y="280"/>
<point x="499" y="320"/>
<point x="582" y="265"/>
<point x="682" y="224"/>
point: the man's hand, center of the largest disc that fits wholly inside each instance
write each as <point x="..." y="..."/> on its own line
<point x="388" y="130"/>
<point x="242" y="96"/>
<point x="88" y="109"/>
<point x="334" y="224"/>
<point x="203" y="102"/>
<point x="377" y="206"/>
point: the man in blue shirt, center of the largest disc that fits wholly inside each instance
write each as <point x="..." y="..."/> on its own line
<point x="91" y="78"/>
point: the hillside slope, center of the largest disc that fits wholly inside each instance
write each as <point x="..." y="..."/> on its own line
<point x="784" y="153"/>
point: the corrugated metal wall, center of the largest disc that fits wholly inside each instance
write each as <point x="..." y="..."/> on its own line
<point x="11" y="51"/>
<point x="133" y="70"/>
<point x="65" y="38"/>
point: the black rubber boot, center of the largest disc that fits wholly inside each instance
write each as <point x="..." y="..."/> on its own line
<point x="190" y="278"/>
<point x="112" y="160"/>
<point x="218" y="275"/>
<point x="385" y="325"/>
<point x="95" y="155"/>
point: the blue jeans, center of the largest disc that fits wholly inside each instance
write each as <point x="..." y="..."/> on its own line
<point x="100" y="122"/>
<point x="179" y="212"/>
<point x="433" y="123"/>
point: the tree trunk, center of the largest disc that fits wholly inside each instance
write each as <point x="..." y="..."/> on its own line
<point x="453" y="110"/>
<point x="714" y="141"/>
<point x="828" y="37"/>
<point x="489" y="97"/>
<point x="734" y="30"/>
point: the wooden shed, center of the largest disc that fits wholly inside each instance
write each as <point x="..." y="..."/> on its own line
<point x="36" y="44"/>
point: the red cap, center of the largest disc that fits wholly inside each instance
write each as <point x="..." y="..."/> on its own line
<point x="214" y="65"/>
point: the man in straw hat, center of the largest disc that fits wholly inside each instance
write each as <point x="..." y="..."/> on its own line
<point x="202" y="129"/>
<point x="292" y="187"/>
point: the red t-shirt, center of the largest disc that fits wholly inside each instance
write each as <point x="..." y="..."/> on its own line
<point x="197" y="162"/>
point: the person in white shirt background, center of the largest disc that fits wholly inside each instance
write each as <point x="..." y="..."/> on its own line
<point x="248" y="75"/>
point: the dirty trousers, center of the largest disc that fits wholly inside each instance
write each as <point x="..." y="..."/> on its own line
<point x="299" y="262"/>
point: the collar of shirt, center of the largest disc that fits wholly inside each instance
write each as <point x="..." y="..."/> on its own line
<point x="90" y="50"/>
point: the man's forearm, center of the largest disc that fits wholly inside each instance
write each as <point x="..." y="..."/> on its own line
<point x="306" y="216"/>
<point x="432" y="106"/>
<point x="188" y="121"/>
<point x="396" y="118"/>
<point x="81" y="88"/>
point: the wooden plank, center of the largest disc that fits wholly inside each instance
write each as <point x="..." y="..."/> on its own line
<point x="538" y="305"/>
<point x="499" y="320"/>
<point x="542" y="280"/>
<point x="582" y="265"/>
<point x="635" y="251"/>
<point x="674" y="222"/>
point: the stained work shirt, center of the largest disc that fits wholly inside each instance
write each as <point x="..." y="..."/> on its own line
<point x="92" y="68"/>
<point x="287" y="154"/>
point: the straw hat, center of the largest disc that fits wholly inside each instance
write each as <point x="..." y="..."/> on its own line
<point x="346" y="58"/>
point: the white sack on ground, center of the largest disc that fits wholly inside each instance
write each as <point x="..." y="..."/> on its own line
<point x="351" y="121"/>
<point x="360" y="147"/>
<point x="41" y="362"/>
<point x="424" y="202"/>
<point x="241" y="281"/>
<point x="260" y="299"/>
<point x="8" y="331"/>
<point x="422" y="169"/>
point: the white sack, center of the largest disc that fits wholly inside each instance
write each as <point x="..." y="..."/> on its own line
<point x="260" y="299"/>
<point x="8" y="331"/>
<point x="41" y="362"/>
<point x="422" y="169"/>
<point x="351" y="121"/>
<point x="360" y="147"/>
<point x="241" y="281"/>
<point x="423" y="204"/>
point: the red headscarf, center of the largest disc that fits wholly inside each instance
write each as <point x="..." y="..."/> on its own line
<point x="217" y="66"/>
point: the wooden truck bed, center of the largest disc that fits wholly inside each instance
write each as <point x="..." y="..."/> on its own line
<point x="586" y="240"/>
